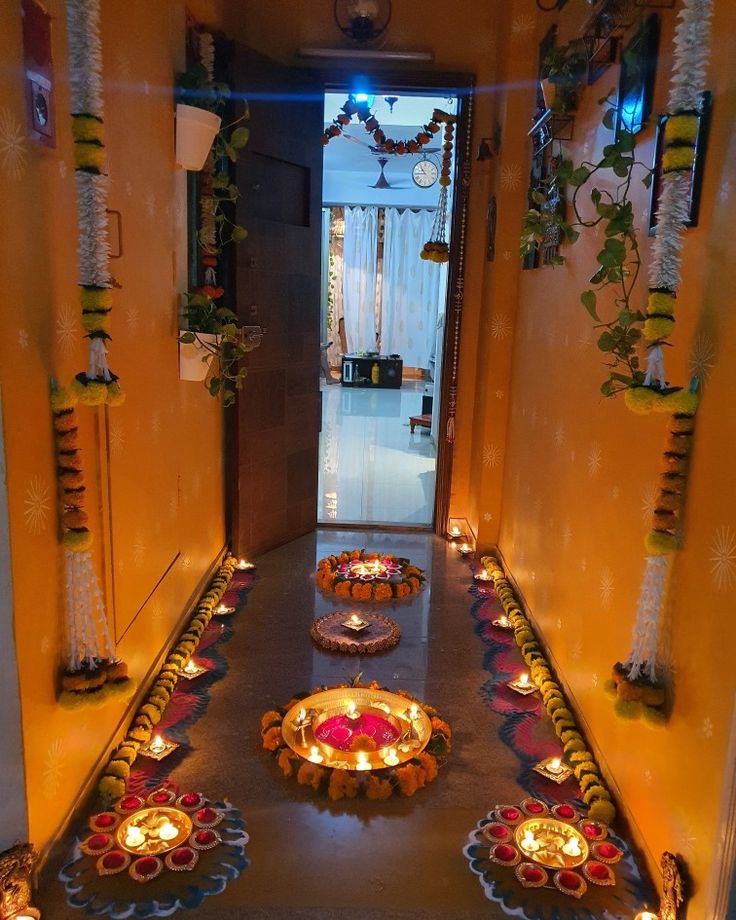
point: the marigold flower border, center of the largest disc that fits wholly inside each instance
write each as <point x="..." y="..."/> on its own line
<point x="327" y="577"/>
<point x="593" y="788"/>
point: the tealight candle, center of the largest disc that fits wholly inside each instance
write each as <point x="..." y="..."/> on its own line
<point x="391" y="758"/>
<point x="355" y="620"/>
<point x="530" y="842"/>
<point x="352" y="712"/>
<point x="302" y="715"/>
<point x="314" y="755"/>
<point x="455" y="531"/>
<point x="646" y="915"/>
<point x="413" y="711"/>
<point x="157" y="745"/>
<point x="503" y="620"/>
<point x="134" y="837"/>
<point x="465" y="549"/>
<point x="554" y="765"/>
<point x="243" y="565"/>
<point x="572" y="847"/>
<point x="191" y="667"/>
<point x="167" y="831"/>
<point x="523" y="680"/>
<point x="362" y="761"/>
<point x="221" y="609"/>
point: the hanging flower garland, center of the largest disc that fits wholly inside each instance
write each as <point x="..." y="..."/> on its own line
<point x="368" y="576"/>
<point x="91" y="667"/>
<point x="634" y="682"/>
<point x="339" y="783"/>
<point x="436" y="249"/>
<point x="96" y="385"/>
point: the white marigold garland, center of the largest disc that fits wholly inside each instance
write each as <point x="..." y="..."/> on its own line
<point x="91" y="664"/>
<point x="636" y="679"/>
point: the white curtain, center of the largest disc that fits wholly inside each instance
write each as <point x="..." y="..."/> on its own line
<point x="411" y="288"/>
<point x="359" y="278"/>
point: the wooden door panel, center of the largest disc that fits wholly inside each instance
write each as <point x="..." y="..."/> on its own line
<point x="274" y="442"/>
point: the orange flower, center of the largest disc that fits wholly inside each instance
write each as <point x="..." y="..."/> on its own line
<point x="342" y="785"/>
<point x="408" y="779"/>
<point x="439" y="726"/>
<point x="377" y="789"/>
<point x="362" y="742"/>
<point x="355" y="554"/>
<point x="342" y="588"/>
<point x="272" y="739"/>
<point x="413" y="584"/>
<point x="286" y="761"/>
<point x="402" y="589"/>
<point x="343" y="557"/>
<point x="268" y="717"/>
<point x="310" y="775"/>
<point x="429" y="765"/>
<point x="383" y="592"/>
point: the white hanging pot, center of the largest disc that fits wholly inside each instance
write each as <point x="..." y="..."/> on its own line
<point x="195" y="130"/>
<point x="195" y="359"/>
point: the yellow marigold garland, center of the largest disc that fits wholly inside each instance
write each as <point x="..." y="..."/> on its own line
<point x="403" y="780"/>
<point x="593" y="788"/>
<point x="112" y="783"/>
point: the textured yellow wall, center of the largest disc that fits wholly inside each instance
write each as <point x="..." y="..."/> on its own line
<point x="153" y="466"/>
<point x="580" y="473"/>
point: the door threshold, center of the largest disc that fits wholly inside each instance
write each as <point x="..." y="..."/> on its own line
<point x="363" y="525"/>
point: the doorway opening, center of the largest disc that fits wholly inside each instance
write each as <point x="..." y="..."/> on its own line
<point x="383" y="312"/>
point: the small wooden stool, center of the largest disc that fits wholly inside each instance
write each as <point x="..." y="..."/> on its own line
<point x="424" y="421"/>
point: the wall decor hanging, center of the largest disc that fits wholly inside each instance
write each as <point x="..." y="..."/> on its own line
<point x="91" y="667"/>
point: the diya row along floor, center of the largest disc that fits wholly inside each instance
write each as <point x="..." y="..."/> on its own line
<point x="309" y="857"/>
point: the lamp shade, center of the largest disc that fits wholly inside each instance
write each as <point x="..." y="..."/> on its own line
<point x="195" y="131"/>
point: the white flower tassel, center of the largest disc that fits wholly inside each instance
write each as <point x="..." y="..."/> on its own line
<point x="642" y="660"/>
<point x="94" y="247"/>
<point x="672" y="215"/>
<point x="88" y="637"/>
<point x="655" y="368"/>
<point x="692" y="50"/>
<point x="97" y="366"/>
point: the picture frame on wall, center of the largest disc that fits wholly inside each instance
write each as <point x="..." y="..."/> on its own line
<point x="705" y="106"/>
<point x="638" y="72"/>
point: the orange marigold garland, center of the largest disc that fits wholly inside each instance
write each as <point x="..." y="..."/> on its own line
<point x="363" y="576"/>
<point x="402" y="780"/>
<point x="437" y="248"/>
<point x="90" y="663"/>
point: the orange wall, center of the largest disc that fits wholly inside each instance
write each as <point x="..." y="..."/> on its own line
<point x="153" y="466"/>
<point x="462" y="38"/>
<point x="580" y="471"/>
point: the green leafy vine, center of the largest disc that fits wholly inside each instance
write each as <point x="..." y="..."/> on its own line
<point x="608" y="211"/>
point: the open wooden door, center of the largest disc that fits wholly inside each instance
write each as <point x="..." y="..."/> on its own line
<point x="274" y="430"/>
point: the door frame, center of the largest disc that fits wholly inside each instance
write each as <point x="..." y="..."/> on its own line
<point x="434" y="84"/>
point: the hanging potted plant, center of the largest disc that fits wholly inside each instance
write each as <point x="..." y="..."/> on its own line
<point x="214" y="345"/>
<point x="563" y="70"/>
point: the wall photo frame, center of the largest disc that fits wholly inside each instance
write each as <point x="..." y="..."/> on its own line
<point x="696" y="176"/>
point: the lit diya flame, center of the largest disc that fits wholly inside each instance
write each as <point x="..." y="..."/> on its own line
<point x="167" y="831"/>
<point x="413" y="711"/>
<point x="352" y="712"/>
<point x="572" y="847"/>
<point x="244" y="565"/>
<point x="355" y="620"/>
<point x="135" y="838"/>
<point x="554" y="765"/>
<point x="455" y="531"/>
<point x="191" y="667"/>
<point x="314" y="755"/>
<point x="392" y="758"/>
<point x="530" y="843"/>
<point x="157" y="745"/>
<point x="302" y="715"/>
<point x="362" y="761"/>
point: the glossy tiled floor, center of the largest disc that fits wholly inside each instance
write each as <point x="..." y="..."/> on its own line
<point x="372" y="469"/>
<point x="358" y="860"/>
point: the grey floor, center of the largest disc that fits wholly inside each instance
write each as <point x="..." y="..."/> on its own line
<point x="357" y="859"/>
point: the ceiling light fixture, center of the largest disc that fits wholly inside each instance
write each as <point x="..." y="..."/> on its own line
<point x="362" y="20"/>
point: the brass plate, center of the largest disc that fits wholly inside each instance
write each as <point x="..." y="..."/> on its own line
<point x="148" y="822"/>
<point x="553" y="835"/>
<point x="331" y="702"/>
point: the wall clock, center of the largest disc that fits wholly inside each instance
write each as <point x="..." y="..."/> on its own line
<point x="424" y="173"/>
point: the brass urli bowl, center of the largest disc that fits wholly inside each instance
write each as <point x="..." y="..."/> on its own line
<point x="147" y="821"/>
<point x="328" y="703"/>
<point x="553" y="835"/>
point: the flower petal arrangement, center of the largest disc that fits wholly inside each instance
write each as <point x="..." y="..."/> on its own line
<point x="364" y="576"/>
<point x="338" y="782"/>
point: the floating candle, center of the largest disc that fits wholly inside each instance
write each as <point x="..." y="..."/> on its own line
<point x="352" y="712"/>
<point x="413" y="711"/>
<point x="362" y="761"/>
<point x="167" y="831"/>
<point x="392" y="758"/>
<point x="314" y="755"/>
<point x="572" y="847"/>
<point x="134" y="837"/>
<point x="530" y="842"/>
<point x="302" y="715"/>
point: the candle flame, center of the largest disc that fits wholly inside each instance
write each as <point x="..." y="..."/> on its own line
<point x="167" y="831"/>
<point x="158" y="744"/>
<point x="523" y="679"/>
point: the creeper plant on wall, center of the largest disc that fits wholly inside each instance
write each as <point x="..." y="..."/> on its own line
<point x="636" y="682"/>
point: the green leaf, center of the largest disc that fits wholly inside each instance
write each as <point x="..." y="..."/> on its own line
<point x="606" y="342"/>
<point x="571" y="235"/>
<point x="616" y="248"/>
<point x="538" y="198"/>
<point x="213" y="385"/>
<point x="239" y="137"/>
<point x="588" y="299"/>
<point x="647" y="180"/>
<point x="625" y="141"/>
<point x="231" y="152"/>
<point x="606" y="387"/>
<point x="579" y="176"/>
<point x="620" y="168"/>
<point x="595" y="196"/>
<point x="606" y="258"/>
<point x="188" y="338"/>
<point x="609" y="116"/>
